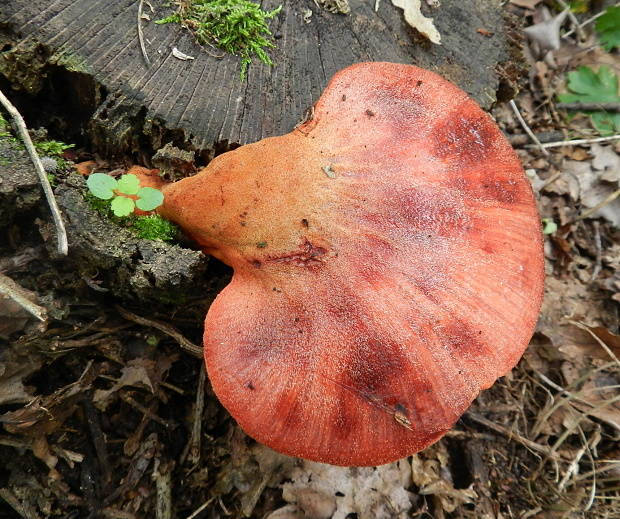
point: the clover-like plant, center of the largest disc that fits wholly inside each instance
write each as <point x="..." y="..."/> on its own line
<point x="126" y="193"/>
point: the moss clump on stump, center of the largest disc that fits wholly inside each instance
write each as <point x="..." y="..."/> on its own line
<point x="238" y="27"/>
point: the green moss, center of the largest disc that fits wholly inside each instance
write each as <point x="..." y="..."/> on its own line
<point x="70" y="60"/>
<point x="154" y="227"/>
<point x="149" y="227"/>
<point x="238" y="27"/>
<point x="52" y="148"/>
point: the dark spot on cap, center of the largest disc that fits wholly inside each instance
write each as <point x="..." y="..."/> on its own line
<point x="374" y="365"/>
<point x="419" y="83"/>
<point x="344" y="97"/>
<point x="462" y="341"/>
<point x="464" y="139"/>
<point x="255" y="263"/>
<point x="370" y="113"/>
<point x="305" y="223"/>
<point x="250" y="386"/>
<point x="307" y="255"/>
<point x="419" y="213"/>
<point x="492" y="185"/>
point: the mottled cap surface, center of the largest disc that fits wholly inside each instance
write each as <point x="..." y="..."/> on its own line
<point x="388" y="266"/>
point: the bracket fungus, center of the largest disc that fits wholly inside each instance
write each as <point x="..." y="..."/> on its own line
<point x="388" y="266"/>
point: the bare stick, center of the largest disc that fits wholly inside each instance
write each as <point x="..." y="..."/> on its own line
<point x="598" y="206"/>
<point x="512" y="435"/>
<point x="527" y="129"/>
<point x="607" y="107"/>
<point x="19" y="295"/>
<point x="163" y="484"/>
<point x="194" y="442"/>
<point x="202" y="507"/>
<point x="185" y="343"/>
<point x="63" y="246"/>
<point x="141" y="35"/>
<point x="598" y="265"/>
<point x="601" y="343"/>
<point x="575" y="142"/>
<point x="573" y="20"/>
<point x="588" y="21"/>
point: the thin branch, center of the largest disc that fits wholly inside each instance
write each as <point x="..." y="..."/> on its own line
<point x="11" y="289"/>
<point x="63" y="246"/>
<point x="599" y="206"/>
<point x="588" y="21"/>
<point x="201" y="508"/>
<point x="598" y="264"/>
<point x="601" y="343"/>
<point x="573" y="20"/>
<point x="512" y="435"/>
<point x="527" y="129"/>
<point x="141" y="35"/>
<point x="185" y="343"/>
<point x="586" y="107"/>
<point x="575" y="142"/>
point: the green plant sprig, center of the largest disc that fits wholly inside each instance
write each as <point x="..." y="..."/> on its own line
<point x="238" y="27"/>
<point x="588" y="86"/>
<point x="119" y="191"/>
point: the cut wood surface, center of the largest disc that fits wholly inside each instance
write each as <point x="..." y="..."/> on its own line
<point x="205" y="98"/>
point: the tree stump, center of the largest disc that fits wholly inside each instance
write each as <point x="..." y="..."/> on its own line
<point x="201" y="103"/>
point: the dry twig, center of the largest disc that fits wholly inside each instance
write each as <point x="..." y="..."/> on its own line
<point x="573" y="20"/>
<point x="575" y="142"/>
<point x="527" y="129"/>
<point x="20" y="125"/>
<point x="577" y="106"/>
<point x="587" y="22"/>
<point x="141" y="35"/>
<point x="11" y="289"/>
<point x="185" y="343"/>
<point x="512" y="435"/>
<point x="193" y="447"/>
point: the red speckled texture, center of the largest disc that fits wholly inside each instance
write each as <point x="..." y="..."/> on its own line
<point x="388" y="266"/>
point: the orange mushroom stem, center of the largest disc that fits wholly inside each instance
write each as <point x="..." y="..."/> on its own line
<point x="388" y="266"/>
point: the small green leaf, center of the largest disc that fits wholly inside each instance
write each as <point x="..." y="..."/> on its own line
<point x="608" y="27"/>
<point x="587" y="86"/>
<point x="549" y="226"/>
<point x="129" y="184"/>
<point x="261" y="244"/>
<point x="101" y="185"/>
<point x="122" y="206"/>
<point x="149" y="198"/>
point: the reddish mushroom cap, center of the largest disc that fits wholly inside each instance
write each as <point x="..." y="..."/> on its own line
<point x="387" y="261"/>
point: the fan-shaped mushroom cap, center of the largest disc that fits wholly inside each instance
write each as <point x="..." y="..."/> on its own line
<point x="387" y="261"/>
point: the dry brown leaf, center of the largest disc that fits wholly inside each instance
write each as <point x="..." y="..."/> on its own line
<point x="85" y="168"/>
<point x="601" y="400"/>
<point x="46" y="414"/>
<point x="428" y="469"/>
<point x="135" y="374"/>
<point x="597" y="180"/>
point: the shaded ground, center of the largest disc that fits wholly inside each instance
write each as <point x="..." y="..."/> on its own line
<point x="106" y="412"/>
